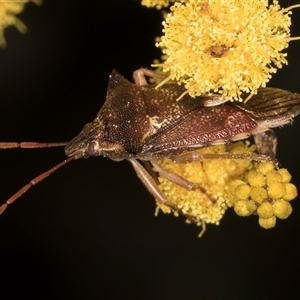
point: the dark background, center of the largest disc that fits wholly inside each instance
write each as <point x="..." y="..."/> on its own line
<point x="89" y="230"/>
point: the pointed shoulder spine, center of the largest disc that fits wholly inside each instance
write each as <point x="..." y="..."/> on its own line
<point x="116" y="79"/>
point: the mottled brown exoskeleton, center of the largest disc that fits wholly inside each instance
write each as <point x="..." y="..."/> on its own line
<point x="140" y="123"/>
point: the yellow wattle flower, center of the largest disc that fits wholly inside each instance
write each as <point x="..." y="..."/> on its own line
<point x="214" y="175"/>
<point x="247" y="186"/>
<point x="8" y="11"/>
<point x="227" y="47"/>
<point x="159" y="4"/>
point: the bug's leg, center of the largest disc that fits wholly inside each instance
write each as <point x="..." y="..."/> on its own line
<point x="149" y="183"/>
<point x="30" y="145"/>
<point x="152" y="187"/>
<point x="33" y="182"/>
<point x="181" y="181"/>
<point x="196" y="156"/>
<point x="149" y="168"/>
<point x="266" y="142"/>
<point x="139" y="76"/>
<point x="213" y="100"/>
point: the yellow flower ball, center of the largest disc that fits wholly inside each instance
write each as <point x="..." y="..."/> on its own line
<point x="242" y="191"/>
<point x="258" y="194"/>
<point x="266" y="167"/>
<point x="276" y="189"/>
<point x="234" y="183"/>
<point x="265" y="210"/>
<point x="256" y="178"/>
<point x="286" y="176"/>
<point x="251" y="206"/>
<point x="290" y="192"/>
<point x="272" y="176"/>
<point x="267" y="223"/>
<point x="282" y="209"/>
<point x="241" y="208"/>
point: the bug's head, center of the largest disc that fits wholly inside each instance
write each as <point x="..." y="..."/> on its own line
<point x="94" y="140"/>
<point x="87" y="142"/>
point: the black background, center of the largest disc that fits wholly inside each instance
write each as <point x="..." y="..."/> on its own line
<point x="89" y="230"/>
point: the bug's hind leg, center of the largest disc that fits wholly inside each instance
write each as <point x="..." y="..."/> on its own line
<point x="193" y="156"/>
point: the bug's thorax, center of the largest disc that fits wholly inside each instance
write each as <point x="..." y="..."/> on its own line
<point x="130" y="116"/>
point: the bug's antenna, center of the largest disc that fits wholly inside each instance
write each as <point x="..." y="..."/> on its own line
<point x="30" y="145"/>
<point x="33" y="182"/>
<point x="36" y="180"/>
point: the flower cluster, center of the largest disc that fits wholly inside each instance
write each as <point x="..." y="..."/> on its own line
<point x="227" y="47"/>
<point x="251" y="188"/>
<point x="264" y="191"/>
<point x="8" y="12"/>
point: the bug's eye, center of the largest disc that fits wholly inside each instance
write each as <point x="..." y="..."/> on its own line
<point x="93" y="148"/>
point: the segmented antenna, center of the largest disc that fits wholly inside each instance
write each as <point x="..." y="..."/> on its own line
<point x="39" y="178"/>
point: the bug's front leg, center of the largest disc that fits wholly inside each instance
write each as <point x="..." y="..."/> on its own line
<point x="181" y="181"/>
<point x="149" y="183"/>
<point x="152" y="187"/>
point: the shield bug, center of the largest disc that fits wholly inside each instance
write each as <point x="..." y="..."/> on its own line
<point x="141" y="124"/>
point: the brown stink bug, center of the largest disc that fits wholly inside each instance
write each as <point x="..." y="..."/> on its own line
<point x="140" y="123"/>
